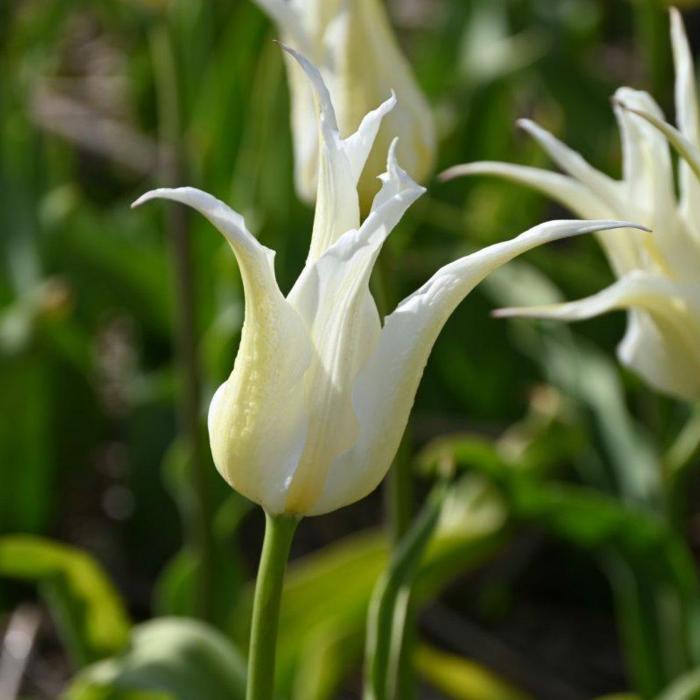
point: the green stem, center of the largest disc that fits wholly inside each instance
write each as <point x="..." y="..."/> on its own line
<point x="389" y="618"/>
<point x="399" y="492"/>
<point x="679" y="465"/>
<point x="398" y="501"/>
<point x="398" y="489"/>
<point x="652" y="33"/>
<point x="171" y="174"/>
<point x="279" y="531"/>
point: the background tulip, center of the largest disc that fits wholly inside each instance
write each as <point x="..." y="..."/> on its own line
<point x="354" y="47"/>
<point x="657" y="275"/>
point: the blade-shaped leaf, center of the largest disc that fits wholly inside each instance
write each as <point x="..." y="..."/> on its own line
<point x="90" y="614"/>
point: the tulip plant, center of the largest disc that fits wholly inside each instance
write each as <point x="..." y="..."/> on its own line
<point x="314" y="409"/>
<point x="657" y="275"/>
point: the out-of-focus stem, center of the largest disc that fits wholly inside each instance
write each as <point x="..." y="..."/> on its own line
<point x="398" y="490"/>
<point x="398" y="500"/>
<point x="679" y="463"/>
<point x="177" y="226"/>
<point x="279" y="532"/>
<point x="652" y="40"/>
<point x="389" y="620"/>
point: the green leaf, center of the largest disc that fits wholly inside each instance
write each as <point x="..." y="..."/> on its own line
<point x="328" y="657"/>
<point x="168" y="658"/>
<point x="462" y="679"/>
<point x="576" y="513"/>
<point x="584" y="373"/>
<point x="685" y="688"/>
<point x="88" y="609"/>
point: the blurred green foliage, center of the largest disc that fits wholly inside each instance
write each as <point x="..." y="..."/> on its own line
<point x="553" y="437"/>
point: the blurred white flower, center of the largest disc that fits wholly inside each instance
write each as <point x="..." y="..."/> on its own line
<point x="313" y="412"/>
<point x="353" y="45"/>
<point x="659" y="275"/>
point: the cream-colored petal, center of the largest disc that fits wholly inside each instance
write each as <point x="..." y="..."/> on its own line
<point x="623" y="252"/>
<point x="359" y="145"/>
<point x="646" y="161"/>
<point x="603" y="187"/>
<point x="646" y="349"/>
<point x="562" y="188"/>
<point x="264" y="395"/>
<point x="368" y="64"/>
<point x="340" y="164"/>
<point x="638" y="289"/>
<point x="333" y="297"/>
<point x="686" y="115"/>
<point x="651" y="196"/>
<point x="354" y="47"/>
<point x="685" y="148"/>
<point x="385" y="388"/>
<point x="680" y="236"/>
<point x="289" y="16"/>
<point x="663" y="332"/>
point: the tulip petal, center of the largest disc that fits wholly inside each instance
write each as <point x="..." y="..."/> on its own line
<point x="368" y="63"/>
<point x="333" y="297"/>
<point x="686" y="114"/>
<point x="624" y="252"/>
<point x="358" y="145"/>
<point x="603" y="187"/>
<point x="674" y="251"/>
<point x="646" y="161"/>
<point x="685" y="148"/>
<point x="264" y="394"/>
<point x="286" y="14"/>
<point x="340" y="164"/>
<point x="385" y="387"/>
<point x="662" y="334"/>
<point x="562" y="188"/>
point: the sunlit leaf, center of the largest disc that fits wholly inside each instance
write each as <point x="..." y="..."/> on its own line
<point x="89" y="611"/>
<point x="173" y="658"/>
<point x="461" y="678"/>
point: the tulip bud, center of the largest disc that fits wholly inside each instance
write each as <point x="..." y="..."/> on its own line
<point x="314" y="410"/>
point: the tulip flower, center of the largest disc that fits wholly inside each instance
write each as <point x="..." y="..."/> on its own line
<point x="313" y="412"/>
<point x="658" y="277"/>
<point x="356" y="51"/>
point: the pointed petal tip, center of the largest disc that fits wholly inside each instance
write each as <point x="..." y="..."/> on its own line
<point x="391" y="154"/>
<point x="388" y="105"/>
<point x="286" y="48"/>
<point x="306" y="65"/>
<point x="505" y="312"/>
<point x="606" y="226"/>
<point x="526" y="124"/>
<point x="455" y="171"/>
<point x="145" y="197"/>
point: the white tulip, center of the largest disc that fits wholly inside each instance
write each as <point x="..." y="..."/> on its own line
<point x="353" y="45"/>
<point x="658" y="276"/>
<point x="312" y="414"/>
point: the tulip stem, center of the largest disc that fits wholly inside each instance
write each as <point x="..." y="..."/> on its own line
<point x="279" y="532"/>
<point x="398" y="495"/>
<point x="171" y="174"/>
<point x="389" y="620"/>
